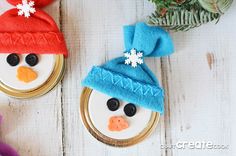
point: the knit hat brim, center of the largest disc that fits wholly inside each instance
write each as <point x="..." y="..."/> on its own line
<point x="116" y="85"/>
<point x="38" y="42"/>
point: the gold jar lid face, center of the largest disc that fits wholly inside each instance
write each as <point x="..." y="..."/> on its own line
<point x="26" y="81"/>
<point x="115" y="127"/>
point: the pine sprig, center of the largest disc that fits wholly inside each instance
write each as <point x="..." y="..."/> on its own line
<point x="183" y="20"/>
<point x="181" y="15"/>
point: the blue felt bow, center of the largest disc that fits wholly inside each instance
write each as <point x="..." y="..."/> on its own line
<point x="151" y="41"/>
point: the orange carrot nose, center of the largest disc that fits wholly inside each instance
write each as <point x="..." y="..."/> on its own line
<point x="26" y="74"/>
<point x="117" y="123"/>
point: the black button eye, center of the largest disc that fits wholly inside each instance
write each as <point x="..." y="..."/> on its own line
<point x="13" y="59"/>
<point x="113" y="104"/>
<point x="31" y="59"/>
<point x="130" y="110"/>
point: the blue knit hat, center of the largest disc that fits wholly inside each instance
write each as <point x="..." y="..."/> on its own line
<point x="128" y="78"/>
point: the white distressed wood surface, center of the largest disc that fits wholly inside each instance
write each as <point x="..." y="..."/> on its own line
<point x="199" y="79"/>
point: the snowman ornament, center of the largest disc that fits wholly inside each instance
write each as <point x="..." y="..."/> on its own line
<point x="122" y="99"/>
<point x="32" y="50"/>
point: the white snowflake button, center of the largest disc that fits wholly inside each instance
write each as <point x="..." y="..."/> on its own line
<point x="133" y="58"/>
<point x="26" y="8"/>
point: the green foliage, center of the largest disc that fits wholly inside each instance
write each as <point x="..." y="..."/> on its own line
<point x="182" y="15"/>
<point x="183" y="20"/>
<point x="173" y="4"/>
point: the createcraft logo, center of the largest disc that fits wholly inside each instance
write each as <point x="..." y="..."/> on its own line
<point x="196" y="145"/>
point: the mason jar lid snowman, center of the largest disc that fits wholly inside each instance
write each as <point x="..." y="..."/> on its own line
<point x="122" y="99"/>
<point x="32" y="50"/>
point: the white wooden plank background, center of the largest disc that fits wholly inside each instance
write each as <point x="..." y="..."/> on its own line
<point x="199" y="79"/>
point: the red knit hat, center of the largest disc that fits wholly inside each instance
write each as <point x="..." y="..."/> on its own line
<point x="27" y="29"/>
